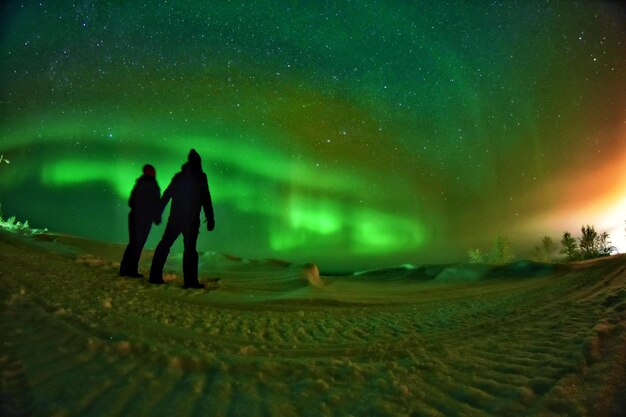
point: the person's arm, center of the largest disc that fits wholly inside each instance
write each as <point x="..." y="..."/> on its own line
<point x="131" y="199"/>
<point x="167" y="195"/>
<point x="207" y="204"/>
<point x="156" y="203"/>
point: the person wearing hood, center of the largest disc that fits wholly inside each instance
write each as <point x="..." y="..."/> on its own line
<point x="189" y="192"/>
<point x="145" y="209"/>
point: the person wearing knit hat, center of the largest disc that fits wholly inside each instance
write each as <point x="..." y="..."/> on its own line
<point x="145" y="209"/>
<point x="189" y="192"/>
<point x="149" y="170"/>
<point x="194" y="158"/>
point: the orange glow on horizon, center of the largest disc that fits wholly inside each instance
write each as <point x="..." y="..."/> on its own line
<point x="597" y="198"/>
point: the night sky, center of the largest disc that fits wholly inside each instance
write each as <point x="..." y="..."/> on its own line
<point x="353" y="134"/>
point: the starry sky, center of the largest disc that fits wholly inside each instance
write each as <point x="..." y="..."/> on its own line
<point x="353" y="134"/>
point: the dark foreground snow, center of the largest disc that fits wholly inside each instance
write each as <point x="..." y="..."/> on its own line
<point x="271" y="339"/>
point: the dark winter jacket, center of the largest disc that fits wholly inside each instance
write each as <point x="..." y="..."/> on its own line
<point x="144" y="200"/>
<point x="189" y="192"/>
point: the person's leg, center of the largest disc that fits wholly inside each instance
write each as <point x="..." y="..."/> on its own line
<point x="190" y="256"/>
<point x="161" y="252"/>
<point x="127" y="259"/>
<point x="142" y="230"/>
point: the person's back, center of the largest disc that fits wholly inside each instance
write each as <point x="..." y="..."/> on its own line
<point x="189" y="192"/>
<point x="145" y="198"/>
<point x="145" y="208"/>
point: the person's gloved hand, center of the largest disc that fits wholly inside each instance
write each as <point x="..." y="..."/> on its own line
<point x="157" y="221"/>
<point x="210" y="224"/>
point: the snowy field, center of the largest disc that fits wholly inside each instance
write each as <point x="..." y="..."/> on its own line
<point x="267" y="338"/>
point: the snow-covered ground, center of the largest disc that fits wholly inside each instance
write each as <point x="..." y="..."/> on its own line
<point x="268" y="338"/>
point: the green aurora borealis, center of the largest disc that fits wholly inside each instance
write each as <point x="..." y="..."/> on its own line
<point x="351" y="134"/>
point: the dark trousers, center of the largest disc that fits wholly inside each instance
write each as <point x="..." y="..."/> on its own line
<point x="138" y="230"/>
<point x="190" y="255"/>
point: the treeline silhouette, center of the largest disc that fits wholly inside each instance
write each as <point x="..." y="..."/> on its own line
<point x="589" y="245"/>
<point x="500" y="253"/>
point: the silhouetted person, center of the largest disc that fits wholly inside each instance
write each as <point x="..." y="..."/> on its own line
<point x="189" y="192"/>
<point x="145" y="208"/>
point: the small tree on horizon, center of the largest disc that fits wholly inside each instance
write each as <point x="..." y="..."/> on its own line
<point x="501" y="252"/>
<point x="588" y="242"/>
<point x="604" y="245"/>
<point x="545" y="251"/>
<point x="570" y="248"/>
<point x="475" y="256"/>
